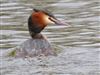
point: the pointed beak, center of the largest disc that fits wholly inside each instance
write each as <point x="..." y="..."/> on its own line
<point x="56" y="21"/>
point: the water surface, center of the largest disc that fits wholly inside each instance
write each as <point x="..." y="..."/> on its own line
<point x="79" y="41"/>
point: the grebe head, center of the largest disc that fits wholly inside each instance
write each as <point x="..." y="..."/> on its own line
<point x="39" y="19"/>
<point x="45" y="16"/>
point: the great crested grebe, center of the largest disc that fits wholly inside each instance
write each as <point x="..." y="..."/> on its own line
<point x="38" y="44"/>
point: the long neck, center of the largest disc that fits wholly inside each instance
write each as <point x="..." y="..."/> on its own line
<point x="34" y="28"/>
<point x="38" y="36"/>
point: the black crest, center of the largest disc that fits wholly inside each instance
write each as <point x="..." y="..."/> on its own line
<point x="36" y="10"/>
<point x="45" y="11"/>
